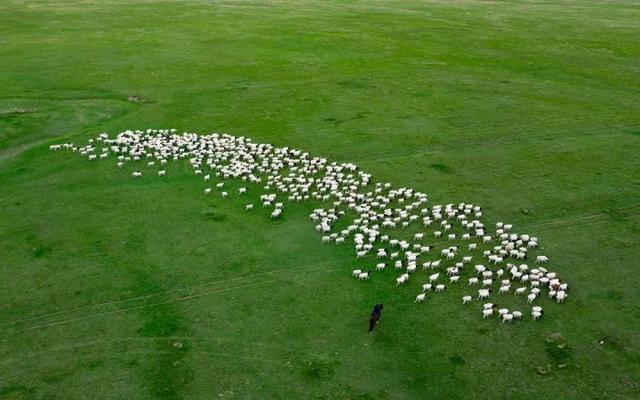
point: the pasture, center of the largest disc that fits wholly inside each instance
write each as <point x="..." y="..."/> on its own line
<point x="116" y="287"/>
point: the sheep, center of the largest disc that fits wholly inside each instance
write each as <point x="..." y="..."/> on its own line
<point x="516" y="314"/>
<point x="343" y="187"/>
<point x="427" y="287"/>
<point x="224" y="194"/>
<point x="434" y="277"/>
<point x="440" y="288"/>
<point x="420" y="298"/>
<point x="363" y="276"/>
<point x="466" y="299"/>
<point x="507" y="317"/>
<point x="520" y="290"/>
<point x="402" y="279"/>
<point x="536" y="314"/>
<point x="136" y="174"/>
<point x="162" y="172"/>
<point x="560" y="296"/>
<point x="207" y="191"/>
<point x="487" y="282"/>
<point x="483" y="294"/>
<point x="504" y="289"/>
<point x="487" y="312"/>
<point x="356" y="272"/>
<point x="248" y="207"/>
<point x="531" y="297"/>
<point x="454" y="279"/>
<point x="380" y="267"/>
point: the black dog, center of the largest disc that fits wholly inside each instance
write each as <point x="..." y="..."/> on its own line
<point x="375" y="316"/>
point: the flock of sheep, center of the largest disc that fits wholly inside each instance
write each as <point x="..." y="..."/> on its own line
<point x="356" y="207"/>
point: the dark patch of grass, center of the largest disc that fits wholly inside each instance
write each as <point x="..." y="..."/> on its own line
<point x="214" y="216"/>
<point x="614" y="295"/>
<point x="444" y="168"/>
<point x="318" y="370"/>
<point x="634" y="132"/>
<point x="41" y="250"/>
<point x="558" y="350"/>
<point x="457" y="360"/>
<point x="353" y="84"/>
<point x="16" y="392"/>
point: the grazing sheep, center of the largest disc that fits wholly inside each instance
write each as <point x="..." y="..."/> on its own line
<point x="440" y="288"/>
<point x="466" y="299"/>
<point x="541" y="259"/>
<point x="342" y="189"/>
<point x="420" y="298"/>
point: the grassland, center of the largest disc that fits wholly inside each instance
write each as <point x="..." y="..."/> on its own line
<point x="114" y="288"/>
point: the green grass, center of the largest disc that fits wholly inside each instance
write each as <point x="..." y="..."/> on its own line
<point x="115" y="288"/>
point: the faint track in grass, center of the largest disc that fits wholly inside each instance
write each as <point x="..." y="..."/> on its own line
<point x="108" y="341"/>
<point x="182" y="298"/>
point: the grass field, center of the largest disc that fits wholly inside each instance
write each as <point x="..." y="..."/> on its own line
<point x="127" y="289"/>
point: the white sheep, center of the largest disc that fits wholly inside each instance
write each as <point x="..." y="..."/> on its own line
<point x="541" y="259"/>
<point x="420" y="298"/>
<point x="466" y="299"/>
<point x="363" y="276"/>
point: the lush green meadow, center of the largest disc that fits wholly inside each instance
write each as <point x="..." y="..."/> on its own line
<point x="142" y="289"/>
